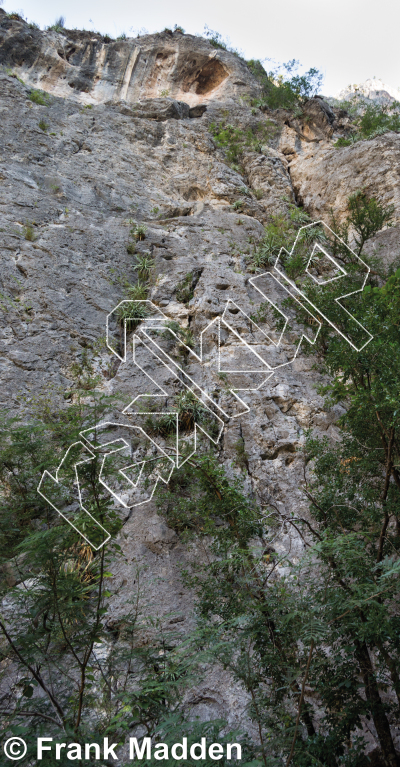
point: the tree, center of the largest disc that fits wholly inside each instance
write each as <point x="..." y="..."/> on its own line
<point x="284" y="87"/>
<point x="317" y="648"/>
<point x="65" y="672"/>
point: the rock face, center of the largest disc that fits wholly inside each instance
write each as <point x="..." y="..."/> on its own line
<point x="111" y="146"/>
<point x="92" y="69"/>
<point x="323" y="177"/>
<point x="371" y="90"/>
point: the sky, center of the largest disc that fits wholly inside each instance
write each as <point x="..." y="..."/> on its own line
<point x="349" y="41"/>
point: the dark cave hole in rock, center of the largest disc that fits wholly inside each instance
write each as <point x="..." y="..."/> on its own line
<point x="69" y="52"/>
<point x="210" y="76"/>
<point x="193" y="193"/>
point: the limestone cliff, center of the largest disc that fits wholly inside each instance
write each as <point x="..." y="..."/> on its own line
<point x="92" y="69"/>
<point x="127" y="134"/>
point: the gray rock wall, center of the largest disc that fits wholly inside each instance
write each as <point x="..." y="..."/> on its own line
<point x="67" y="192"/>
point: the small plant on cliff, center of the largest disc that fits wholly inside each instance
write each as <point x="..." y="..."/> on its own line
<point x="29" y="232"/>
<point x="138" y="231"/>
<point x="187" y="409"/>
<point x="144" y="266"/>
<point x="229" y="138"/>
<point x="242" y="458"/>
<point x="58" y="25"/>
<point x="367" y="216"/>
<point x="280" y="233"/>
<point x="43" y="126"/>
<point x="186" y="339"/>
<point x="132" y="313"/>
<point x="215" y="38"/>
<point x="39" y="97"/>
<point x="137" y="292"/>
<point x="237" y="205"/>
<point x="11" y="73"/>
<point x="373" y="120"/>
<point x="217" y="41"/>
<point x="185" y="287"/>
<point x="234" y="141"/>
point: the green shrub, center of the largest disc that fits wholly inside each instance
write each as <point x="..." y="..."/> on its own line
<point x="366" y="216"/>
<point x="132" y="313"/>
<point x="185" y="288"/>
<point x="278" y="92"/>
<point x="39" y="97"/>
<point x="29" y="232"/>
<point x="238" y="205"/>
<point x="234" y="141"/>
<point x="185" y="336"/>
<point x="58" y="25"/>
<point x="344" y="141"/>
<point x="137" y="292"/>
<point x="373" y="120"/>
<point x="43" y="125"/>
<point x="242" y="458"/>
<point x="230" y="139"/>
<point x="215" y="38"/>
<point x="144" y="266"/>
<point x="138" y="231"/>
<point x="379" y="119"/>
<point x="189" y="410"/>
<point x="217" y="41"/>
<point x="280" y="233"/>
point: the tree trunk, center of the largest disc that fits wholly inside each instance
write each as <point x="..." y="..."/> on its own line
<point x="390" y="758"/>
